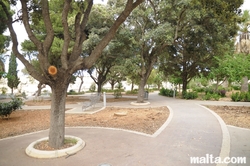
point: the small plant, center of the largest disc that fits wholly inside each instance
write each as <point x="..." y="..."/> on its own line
<point x="7" y="108"/>
<point x="92" y="87"/>
<point x="118" y="91"/>
<point x="4" y="90"/>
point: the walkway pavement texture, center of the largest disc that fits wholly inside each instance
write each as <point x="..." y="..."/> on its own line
<point x="191" y="131"/>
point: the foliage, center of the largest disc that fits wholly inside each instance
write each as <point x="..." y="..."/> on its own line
<point x="13" y="80"/>
<point x="4" y="90"/>
<point x="58" y="30"/>
<point x="4" y="40"/>
<point x="204" y="31"/>
<point x="167" y="92"/>
<point x="92" y="87"/>
<point x="118" y="91"/>
<point x="241" y="96"/>
<point x="190" y="95"/>
<point x="210" y="96"/>
<point x="134" y="91"/>
<point x="72" y="92"/>
<point x="7" y="108"/>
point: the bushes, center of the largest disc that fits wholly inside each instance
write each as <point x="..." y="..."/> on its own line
<point x="167" y="92"/>
<point x="241" y="96"/>
<point x="135" y="91"/>
<point x="7" y="108"/>
<point x="210" y="96"/>
<point x="190" y="95"/>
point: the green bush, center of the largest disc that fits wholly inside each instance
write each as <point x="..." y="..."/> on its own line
<point x="199" y="89"/>
<point x="210" y="96"/>
<point x="92" y="87"/>
<point x="236" y="87"/>
<point x="167" y="92"/>
<point x="209" y="90"/>
<point x="241" y="96"/>
<point x="7" y="108"/>
<point x="190" y="95"/>
<point x="135" y="91"/>
<point x="4" y="90"/>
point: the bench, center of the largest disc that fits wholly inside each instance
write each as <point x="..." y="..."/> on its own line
<point x="94" y="98"/>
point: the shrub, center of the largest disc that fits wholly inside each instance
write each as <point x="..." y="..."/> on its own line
<point x="117" y="93"/>
<point x="210" y="96"/>
<point x="209" y="90"/>
<point x="72" y="92"/>
<point x="92" y="87"/>
<point x="236" y="87"/>
<point x="216" y="97"/>
<point x="199" y="89"/>
<point x="167" y="92"/>
<point x="135" y="91"/>
<point x="7" y="108"/>
<point x="207" y="96"/>
<point x="190" y="95"/>
<point x="241" y="96"/>
<point x="4" y="90"/>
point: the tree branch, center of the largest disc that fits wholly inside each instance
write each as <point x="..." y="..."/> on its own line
<point x="31" y="35"/>
<point x="96" y="53"/>
<point x="49" y="28"/>
<point x="32" y="71"/>
<point x="66" y="33"/>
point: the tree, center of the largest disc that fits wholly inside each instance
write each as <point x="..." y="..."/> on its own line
<point x="58" y="69"/>
<point x="57" y="66"/>
<point x="209" y="26"/>
<point x="13" y="80"/>
<point x="153" y="32"/>
<point x="243" y="46"/>
<point x="4" y="40"/>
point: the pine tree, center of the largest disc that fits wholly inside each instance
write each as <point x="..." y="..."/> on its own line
<point x="13" y="80"/>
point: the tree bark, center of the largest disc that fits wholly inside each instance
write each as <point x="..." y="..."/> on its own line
<point x="244" y="84"/>
<point x="141" y="91"/>
<point x="57" y="115"/>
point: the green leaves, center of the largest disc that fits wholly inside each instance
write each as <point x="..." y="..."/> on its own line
<point x="13" y="80"/>
<point x="7" y="108"/>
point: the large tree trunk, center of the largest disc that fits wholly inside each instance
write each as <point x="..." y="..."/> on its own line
<point x="99" y="88"/>
<point x="244" y="84"/>
<point x="141" y="91"/>
<point x="57" y="115"/>
<point x="132" y="86"/>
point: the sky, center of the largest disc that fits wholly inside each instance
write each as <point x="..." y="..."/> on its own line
<point x="21" y="33"/>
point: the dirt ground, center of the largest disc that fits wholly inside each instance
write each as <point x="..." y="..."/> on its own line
<point x="233" y="115"/>
<point x="141" y="120"/>
<point x="145" y="120"/>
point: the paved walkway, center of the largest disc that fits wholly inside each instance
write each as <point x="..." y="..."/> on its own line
<point x="193" y="131"/>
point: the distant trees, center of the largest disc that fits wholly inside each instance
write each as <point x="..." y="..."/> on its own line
<point x="205" y="29"/>
<point x="13" y="80"/>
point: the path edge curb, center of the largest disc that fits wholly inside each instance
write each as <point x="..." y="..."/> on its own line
<point x="225" y="146"/>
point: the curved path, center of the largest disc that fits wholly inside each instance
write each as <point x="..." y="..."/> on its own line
<point x="192" y="132"/>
